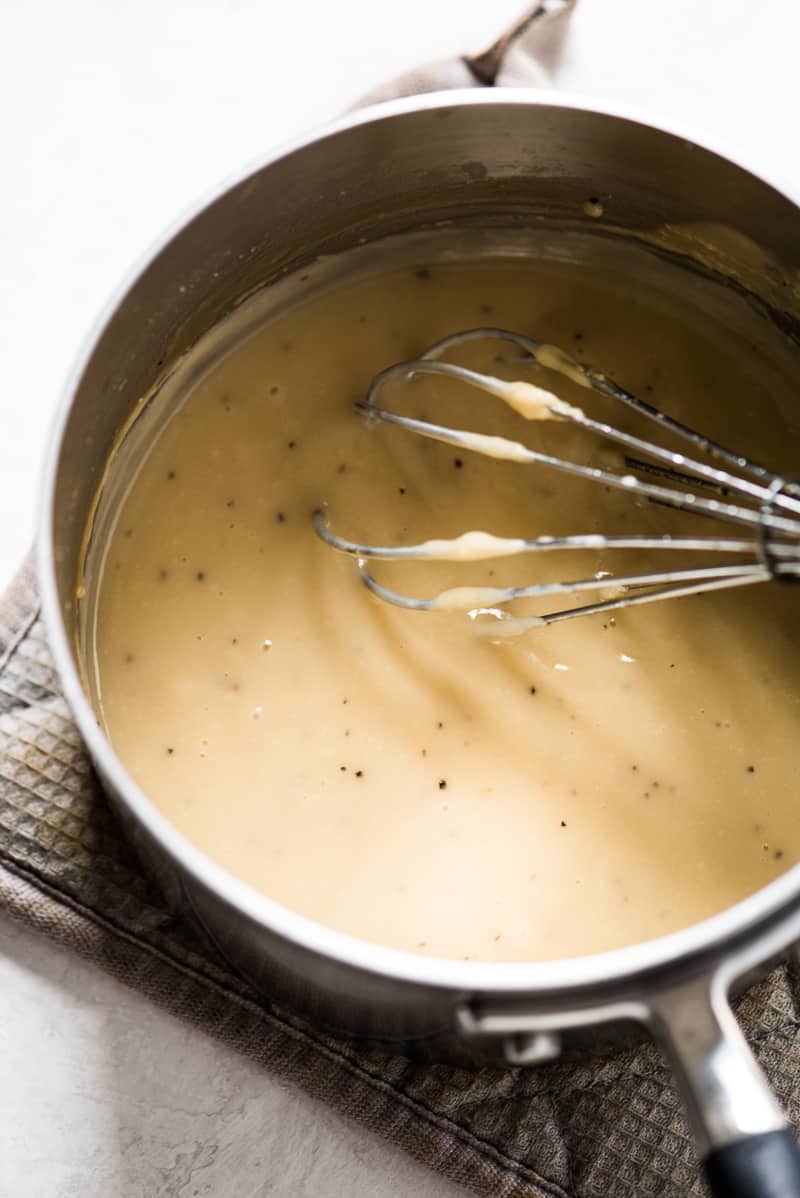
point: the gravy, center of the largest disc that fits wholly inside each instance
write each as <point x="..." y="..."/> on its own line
<point x="389" y="773"/>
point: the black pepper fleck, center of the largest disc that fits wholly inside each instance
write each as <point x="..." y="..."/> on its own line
<point x="532" y="690"/>
<point x="751" y="769"/>
<point x="778" y="854"/>
<point x="273" y="390"/>
<point x="423" y="273"/>
<point x="163" y="575"/>
<point x="230" y="503"/>
<point x="171" y="475"/>
<point x="401" y="490"/>
<point x="291" y="444"/>
<point x="458" y="463"/>
<point x="200" y="575"/>
<point x="359" y="773"/>
<point x="563" y="823"/>
<point x="442" y="784"/>
<point x="280" y="517"/>
<point x="170" y="752"/>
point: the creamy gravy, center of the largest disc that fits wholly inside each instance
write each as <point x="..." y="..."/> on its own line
<point x="390" y="773"/>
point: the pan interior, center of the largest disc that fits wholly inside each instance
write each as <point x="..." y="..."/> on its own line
<point x="391" y="774"/>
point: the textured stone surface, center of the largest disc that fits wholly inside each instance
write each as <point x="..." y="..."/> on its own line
<point x="112" y="1097"/>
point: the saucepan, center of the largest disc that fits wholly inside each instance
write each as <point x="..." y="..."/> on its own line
<point x="503" y="158"/>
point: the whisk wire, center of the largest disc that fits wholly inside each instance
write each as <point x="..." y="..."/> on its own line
<point x="767" y="504"/>
<point x="502" y="448"/>
<point x="587" y="378"/>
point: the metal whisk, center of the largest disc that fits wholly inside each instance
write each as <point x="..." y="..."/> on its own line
<point x="726" y="486"/>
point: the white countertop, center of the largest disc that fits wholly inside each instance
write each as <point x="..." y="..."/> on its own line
<point x="116" y="116"/>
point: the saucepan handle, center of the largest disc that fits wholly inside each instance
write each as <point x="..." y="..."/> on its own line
<point x="522" y="56"/>
<point x="763" y="1166"/>
<point x="743" y="1141"/>
<point x="748" y="1150"/>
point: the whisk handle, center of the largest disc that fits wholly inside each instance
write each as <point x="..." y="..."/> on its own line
<point x="762" y="1166"/>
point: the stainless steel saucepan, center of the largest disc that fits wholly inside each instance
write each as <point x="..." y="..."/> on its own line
<point x="466" y="157"/>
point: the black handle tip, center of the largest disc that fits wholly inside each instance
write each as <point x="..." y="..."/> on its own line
<point x="763" y="1166"/>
